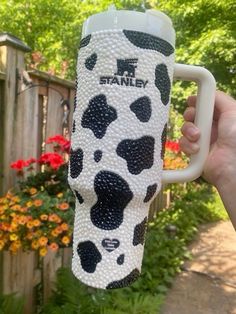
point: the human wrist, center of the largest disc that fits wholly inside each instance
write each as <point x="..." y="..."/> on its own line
<point x="226" y="187"/>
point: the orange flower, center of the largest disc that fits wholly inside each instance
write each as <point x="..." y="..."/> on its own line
<point x="43" y="241"/>
<point x="54" y="218"/>
<point x="36" y="222"/>
<point x="33" y="191"/>
<point x="35" y="245"/>
<point x="16" y="207"/>
<point x="30" y="224"/>
<point x="44" y="217"/>
<point x="54" y="246"/>
<point x="38" y="203"/>
<point x="43" y="251"/>
<point x="29" y="203"/>
<point x="64" y="226"/>
<point x="60" y="195"/>
<point x="63" y="206"/>
<point x="59" y="230"/>
<point x="13" y="237"/>
<point x="54" y="233"/>
<point x="16" y="199"/>
<point x="22" y="220"/>
<point x="30" y="235"/>
<point x="65" y="240"/>
<point x="14" y="247"/>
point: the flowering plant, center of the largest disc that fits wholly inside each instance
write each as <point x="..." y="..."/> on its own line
<point x="40" y="215"/>
<point x="174" y="158"/>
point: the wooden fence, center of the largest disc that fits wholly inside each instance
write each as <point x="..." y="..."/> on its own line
<point x="33" y="106"/>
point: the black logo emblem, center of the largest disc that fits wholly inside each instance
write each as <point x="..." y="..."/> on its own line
<point x="126" y="67"/>
<point x="125" y="75"/>
<point x="110" y="244"/>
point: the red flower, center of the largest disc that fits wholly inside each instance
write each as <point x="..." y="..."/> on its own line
<point x="173" y="146"/>
<point x="18" y="165"/>
<point x="54" y="160"/>
<point x="66" y="147"/>
<point x="30" y="161"/>
<point x="60" y="141"/>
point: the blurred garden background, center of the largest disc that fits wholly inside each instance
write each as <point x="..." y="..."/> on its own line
<point x="37" y="74"/>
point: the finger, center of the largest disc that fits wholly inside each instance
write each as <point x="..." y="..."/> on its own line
<point x="189" y="114"/>
<point x="190" y="131"/>
<point x="188" y="147"/>
<point x="223" y="103"/>
<point x="191" y="101"/>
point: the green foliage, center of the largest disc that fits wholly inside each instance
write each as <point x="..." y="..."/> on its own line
<point x="165" y="250"/>
<point x="205" y="35"/>
<point x="11" y="304"/>
<point x="53" y="181"/>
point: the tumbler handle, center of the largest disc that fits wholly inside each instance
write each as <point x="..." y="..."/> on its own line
<point x="203" y="120"/>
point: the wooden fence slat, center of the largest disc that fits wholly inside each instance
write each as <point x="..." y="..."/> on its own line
<point x="54" y="114"/>
<point x="51" y="263"/>
<point x="18" y="276"/>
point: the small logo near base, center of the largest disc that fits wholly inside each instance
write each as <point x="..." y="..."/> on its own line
<point x="125" y="75"/>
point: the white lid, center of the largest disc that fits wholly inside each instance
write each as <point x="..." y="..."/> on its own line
<point x="152" y="22"/>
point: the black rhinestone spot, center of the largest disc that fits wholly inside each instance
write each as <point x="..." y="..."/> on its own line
<point x="139" y="232"/>
<point x="142" y="108"/>
<point x="76" y="162"/>
<point x="73" y="126"/>
<point x="89" y="256"/>
<point x="163" y="83"/>
<point x="98" y="116"/>
<point x="163" y="141"/>
<point x="120" y="260"/>
<point x="147" y="41"/>
<point x="79" y="197"/>
<point x="137" y="153"/>
<point x="76" y="88"/>
<point x="151" y="190"/>
<point x="90" y="62"/>
<point x="125" y="281"/>
<point x="85" y="41"/>
<point x="97" y="155"/>
<point x="113" y="195"/>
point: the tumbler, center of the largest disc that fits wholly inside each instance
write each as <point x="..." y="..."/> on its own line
<point x="125" y="70"/>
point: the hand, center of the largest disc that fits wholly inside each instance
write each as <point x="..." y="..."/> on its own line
<point x="220" y="166"/>
<point x="221" y="162"/>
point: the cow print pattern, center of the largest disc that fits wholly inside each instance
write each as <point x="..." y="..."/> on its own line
<point x="163" y="141"/>
<point x="151" y="190"/>
<point x="138" y="153"/>
<point x="79" y="197"/>
<point x="98" y="116"/>
<point x="98" y="155"/>
<point x="139" y="232"/>
<point x="120" y="259"/>
<point x="116" y="134"/>
<point x="142" y="108"/>
<point x="76" y="88"/>
<point x="90" y="62"/>
<point x="163" y="82"/>
<point x="73" y="126"/>
<point x="125" y="281"/>
<point x="113" y="194"/>
<point x="147" y="41"/>
<point x="76" y="162"/>
<point x="89" y="256"/>
<point x="85" y="41"/>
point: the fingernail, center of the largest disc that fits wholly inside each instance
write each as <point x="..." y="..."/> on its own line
<point x="195" y="147"/>
<point x="193" y="131"/>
